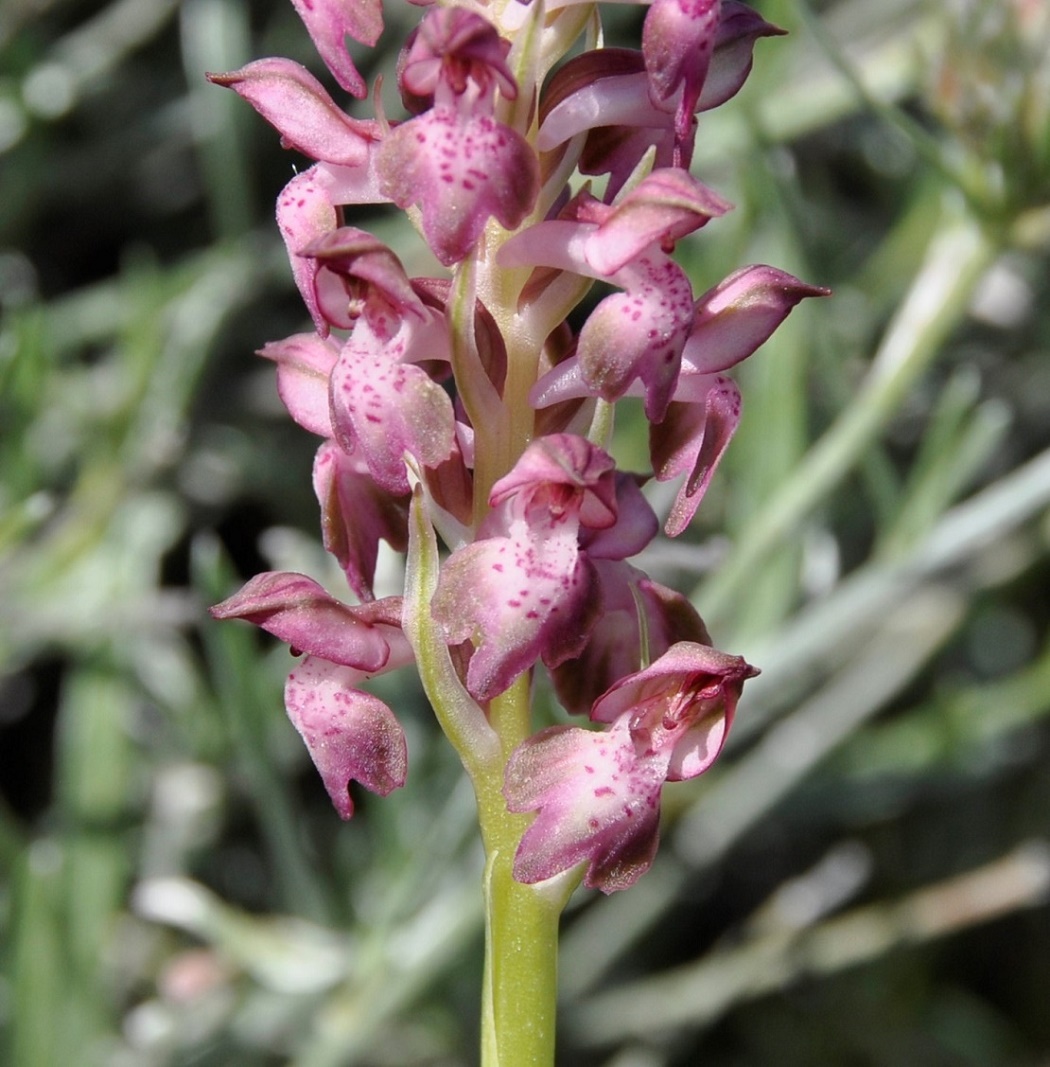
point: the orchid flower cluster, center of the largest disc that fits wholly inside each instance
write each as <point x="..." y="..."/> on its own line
<point x="466" y="407"/>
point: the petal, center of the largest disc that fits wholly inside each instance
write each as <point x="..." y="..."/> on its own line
<point x="635" y="526"/>
<point x="461" y="171"/>
<point x="306" y="212"/>
<point x="639" y="334"/>
<point x="304" y="364"/>
<point x="330" y="22"/>
<point x="356" y="514"/>
<point x="738" y="29"/>
<point x="601" y="87"/>
<point x="296" y="104"/>
<point x="359" y="275"/>
<point x="350" y="734"/>
<point x="558" y="462"/>
<point x="693" y="438"/>
<point x="562" y="382"/>
<point x="387" y="407"/>
<point x="557" y="243"/>
<point x="518" y="598"/>
<point x="614" y="649"/>
<point x="452" y="41"/>
<point x="665" y="206"/>
<point x="298" y="610"/>
<point x="738" y="315"/>
<point x="597" y="803"/>
<point x="678" y="41"/>
<point x="680" y="707"/>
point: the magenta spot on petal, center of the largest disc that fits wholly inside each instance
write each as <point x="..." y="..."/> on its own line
<point x="603" y="791"/>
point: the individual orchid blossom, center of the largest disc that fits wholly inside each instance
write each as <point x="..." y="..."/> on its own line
<point x="729" y="322"/>
<point x="638" y="334"/>
<point x="597" y="793"/>
<point x="609" y="94"/>
<point x="467" y="419"/>
<point x="349" y="733"/>
<point x="381" y="402"/>
<point x="455" y="160"/>
<point x="524" y="589"/>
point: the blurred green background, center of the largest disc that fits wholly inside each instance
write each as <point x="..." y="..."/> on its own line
<point x="862" y="880"/>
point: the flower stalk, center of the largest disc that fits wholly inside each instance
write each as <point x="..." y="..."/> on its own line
<point x="464" y="419"/>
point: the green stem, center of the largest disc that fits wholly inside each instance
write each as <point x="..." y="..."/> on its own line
<point x="521" y="968"/>
<point x="520" y="988"/>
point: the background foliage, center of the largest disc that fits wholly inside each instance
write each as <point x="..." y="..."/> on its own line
<point x="861" y="881"/>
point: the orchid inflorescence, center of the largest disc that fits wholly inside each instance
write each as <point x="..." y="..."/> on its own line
<point x="465" y="406"/>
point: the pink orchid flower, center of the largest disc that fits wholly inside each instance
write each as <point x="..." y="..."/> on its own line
<point x="638" y="334"/>
<point x="350" y="734"/>
<point x="456" y="161"/>
<point x="628" y="100"/>
<point x="524" y="589"/>
<point x="597" y="793"/>
<point x="728" y="323"/>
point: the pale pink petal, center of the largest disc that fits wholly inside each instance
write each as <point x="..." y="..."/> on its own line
<point x="304" y="363"/>
<point x="598" y="803"/>
<point x="330" y="22"/>
<point x="296" y="104"/>
<point x="461" y="171"/>
<point x="356" y="514"/>
<point x="639" y="334"/>
<point x="738" y="29"/>
<point x="665" y="206"/>
<point x="635" y="524"/>
<point x="350" y="735"/>
<point x="738" y="315"/>
<point x="569" y="473"/>
<point x="520" y="597"/>
<point x="678" y="41"/>
<point x="296" y="609"/>
<point x="306" y="211"/>
<point x="681" y="706"/>
<point x="386" y="407"/>
<point x="562" y="382"/>
<point x="453" y="44"/>
<point x="359" y="275"/>
<point x="692" y="439"/>
<point x="557" y="243"/>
